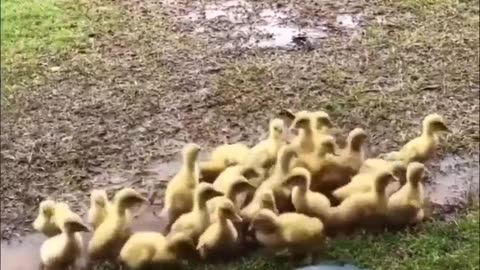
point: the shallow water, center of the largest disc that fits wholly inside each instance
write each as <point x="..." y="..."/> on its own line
<point x="251" y="26"/>
<point x="454" y="181"/>
<point x="24" y="253"/>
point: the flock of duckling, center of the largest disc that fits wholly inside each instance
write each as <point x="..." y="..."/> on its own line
<point x="286" y="197"/>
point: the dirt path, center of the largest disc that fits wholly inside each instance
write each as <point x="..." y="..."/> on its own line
<point x="210" y="72"/>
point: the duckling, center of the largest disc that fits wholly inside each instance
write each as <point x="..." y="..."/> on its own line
<point x="112" y="233"/>
<point x="365" y="179"/>
<point x="298" y="233"/>
<point x="266" y="199"/>
<point x="322" y="122"/>
<point x="275" y="182"/>
<point x="152" y="250"/>
<point x="221" y="237"/>
<point x="99" y="207"/>
<point x="312" y="126"/>
<point x="406" y="205"/>
<point x="422" y="148"/>
<point x="306" y="201"/>
<point x="179" y="191"/>
<point x="231" y="174"/>
<point x="323" y="165"/>
<point x="398" y="168"/>
<point x="221" y="158"/>
<point x="197" y="220"/>
<point x="45" y="222"/>
<point x="361" y="208"/>
<point x="237" y="187"/>
<point x="353" y="154"/>
<point x="264" y="154"/>
<point x="64" y="250"/>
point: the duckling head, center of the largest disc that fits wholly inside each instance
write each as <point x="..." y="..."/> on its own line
<point x="327" y="146"/>
<point x="226" y="209"/>
<point x="302" y="121"/>
<point x="181" y="244"/>
<point x="415" y="171"/>
<point x="267" y="201"/>
<point x="73" y="224"/>
<point x="264" y="220"/>
<point x="298" y="177"/>
<point x="356" y="138"/>
<point x="47" y="208"/>
<point x="382" y="180"/>
<point x="433" y="124"/>
<point x="322" y="120"/>
<point x="98" y="198"/>
<point x="127" y="198"/>
<point x="205" y="191"/>
<point x="285" y="156"/>
<point x="190" y="153"/>
<point x="240" y="185"/>
<point x="276" y="127"/>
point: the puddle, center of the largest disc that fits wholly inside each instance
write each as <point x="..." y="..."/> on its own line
<point x="454" y="181"/>
<point x="24" y="253"/>
<point x="248" y="24"/>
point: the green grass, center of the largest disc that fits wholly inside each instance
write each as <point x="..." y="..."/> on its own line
<point x="42" y="30"/>
<point x="435" y="245"/>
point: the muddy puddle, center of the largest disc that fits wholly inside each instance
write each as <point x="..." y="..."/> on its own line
<point x="24" y="253"/>
<point x="454" y="183"/>
<point x="246" y="24"/>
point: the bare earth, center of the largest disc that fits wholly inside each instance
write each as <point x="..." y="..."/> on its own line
<point x="211" y="73"/>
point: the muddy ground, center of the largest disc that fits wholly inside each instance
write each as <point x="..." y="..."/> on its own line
<point x="216" y="71"/>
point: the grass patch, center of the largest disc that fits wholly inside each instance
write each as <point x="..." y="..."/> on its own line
<point x="37" y="28"/>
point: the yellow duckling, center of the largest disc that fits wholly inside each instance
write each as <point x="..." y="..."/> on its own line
<point x="275" y="182"/>
<point x="266" y="200"/>
<point x="297" y="233"/>
<point x="306" y="201"/>
<point x="112" y="233"/>
<point x="222" y="157"/>
<point x="238" y="186"/>
<point x="361" y="208"/>
<point x="322" y="122"/>
<point x="99" y="207"/>
<point x="45" y="222"/>
<point x="353" y="154"/>
<point x="305" y="124"/>
<point x="179" y="191"/>
<point x="406" y="205"/>
<point x="64" y="250"/>
<point x="231" y="174"/>
<point x="264" y="154"/>
<point x="422" y="148"/>
<point x="365" y="179"/>
<point x="196" y="221"/>
<point x="221" y="237"/>
<point x="398" y="168"/>
<point x="152" y="250"/>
